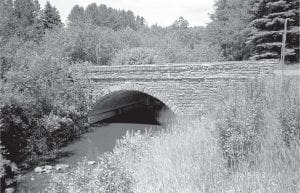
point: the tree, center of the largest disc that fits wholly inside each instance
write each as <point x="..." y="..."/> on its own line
<point x="229" y="28"/>
<point x="181" y="23"/>
<point x="19" y="22"/>
<point x="77" y="15"/>
<point x="20" y="18"/>
<point x="103" y="16"/>
<point x="138" y="56"/>
<point x="91" y="13"/>
<point x="51" y="17"/>
<point x="141" y="22"/>
<point x="7" y="20"/>
<point x="268" y="26"/>
<point x="26" y="12"/>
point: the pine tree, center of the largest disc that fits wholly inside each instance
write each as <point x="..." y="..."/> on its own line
<point x="51" y="17"/>
<point x="268" y="26"/>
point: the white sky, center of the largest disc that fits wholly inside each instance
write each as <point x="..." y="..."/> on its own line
<point x="162" y="12"/>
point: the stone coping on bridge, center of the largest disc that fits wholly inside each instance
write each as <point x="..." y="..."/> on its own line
<point x="216" y="70"/>
<point x="224" y="64"/>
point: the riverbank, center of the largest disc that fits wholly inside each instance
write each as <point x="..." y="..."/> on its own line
<point x="248" y="143"/>
<point x="89" y="146"/>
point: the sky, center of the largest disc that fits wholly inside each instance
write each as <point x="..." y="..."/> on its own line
<point x="161" y="12"/>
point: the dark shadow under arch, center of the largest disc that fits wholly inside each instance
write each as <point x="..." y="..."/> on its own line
<point x="130" y="106"/>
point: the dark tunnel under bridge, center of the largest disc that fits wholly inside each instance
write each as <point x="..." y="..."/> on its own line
<point x="129" y="106"/>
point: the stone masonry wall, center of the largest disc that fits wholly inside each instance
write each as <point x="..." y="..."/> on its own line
<point x="182" y="87"/>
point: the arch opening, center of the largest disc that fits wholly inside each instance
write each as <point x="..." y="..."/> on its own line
<point x="130" y="106"/>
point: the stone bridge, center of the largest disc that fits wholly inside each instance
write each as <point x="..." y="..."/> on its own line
<point x="183" y="88"/>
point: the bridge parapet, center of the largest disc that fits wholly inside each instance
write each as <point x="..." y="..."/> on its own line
<point x="240" y="69"/>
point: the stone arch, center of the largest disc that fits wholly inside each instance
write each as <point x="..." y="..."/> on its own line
<point x="128" y="86"/>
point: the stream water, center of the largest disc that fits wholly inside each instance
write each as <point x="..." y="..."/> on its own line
<point x="90" y="145"/>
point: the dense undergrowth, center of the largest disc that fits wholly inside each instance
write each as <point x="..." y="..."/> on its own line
<point x="41" y="109"/>
<point x="250" y="142"/>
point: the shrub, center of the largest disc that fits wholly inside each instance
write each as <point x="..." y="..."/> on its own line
<point x="137" y="56"/>
<point x="246" y="113"/>
<point x="7" y="170"/>
<point x="184" y="158"/>
<point x="289" y="110"/>
<point x="109" y="176"/>
<point x="41" y="109"/>
<point x="240" y="121"/>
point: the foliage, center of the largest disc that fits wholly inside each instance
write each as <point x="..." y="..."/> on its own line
<point x="41" y="109"/>
<point x="245" y="115"/>
<point x="179" y="160"/>
<point x="289" y="111"/>
<point x="76" y="15"/>
<point x="110" y="175"/>
<point x="182" y="45"/>
<point x="84" y="43"/>
<point x="229" y="28"/>
<point x="188" y="155"/>
<point x="22" y="21"/>
<point x="137" y="56"/>
<point x="7" y="20"/>
<point x="7" y="171"/>
<point x="181" y="23"/>
<point x="268" y="23"/>
<point x="107" y="177"/>
<point x="102" y="46"/>
<point x="177" y="43"/>
<point x="51" y="17"/>
<point x="103" y="16"/>
<point x="240" y="120"/>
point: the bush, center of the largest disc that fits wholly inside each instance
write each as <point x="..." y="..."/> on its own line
<point x="184" y="158"/>
<point x="8" y="170"/>
<point x="241" y="121"/>
<point x="138" y="56"/>
<point x="246" y="115"/>
<point x="41" y="109"/>
<point x="289" y="111"/>
<point x="15" y="130"/>
<point x="109" y="176"/>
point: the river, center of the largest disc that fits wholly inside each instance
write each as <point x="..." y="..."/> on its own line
<point x="90" y="145"/>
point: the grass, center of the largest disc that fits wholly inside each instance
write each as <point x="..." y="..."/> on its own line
<point x="249" y="143"/>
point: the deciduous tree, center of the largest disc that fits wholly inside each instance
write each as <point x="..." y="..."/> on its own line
<point x="229" y="28"/>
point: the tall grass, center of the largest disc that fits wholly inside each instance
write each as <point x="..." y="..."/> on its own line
<point x="250" y="143"/>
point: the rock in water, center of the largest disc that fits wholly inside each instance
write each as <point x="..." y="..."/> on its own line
<point x="61" y="166"/>
<point x="48" y="167"/>
<point x="91" y="163"/>
<point x="38" y="169"/>
<point x="9" y="190"/>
